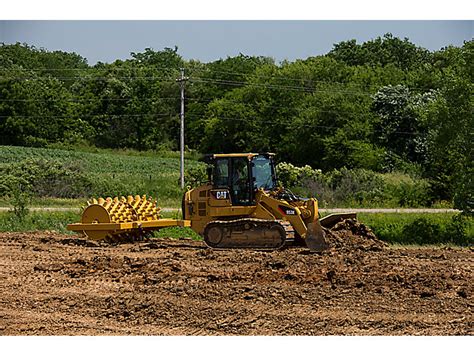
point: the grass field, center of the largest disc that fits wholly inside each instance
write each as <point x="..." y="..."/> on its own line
<point x="419" y="228"/>
<point x="50" y="221"/>
<point x="48" y="202"/>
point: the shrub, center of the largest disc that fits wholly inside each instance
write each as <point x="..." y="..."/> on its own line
<point x="291" y="176"/>
<point x="20" y="198"/>
<point x="422" y="231"/>
<point x="45" y="178"/>
<point x="457" y="230"/>
<point x="464" y="191"/>
<point x="409" y="192"/>
<point x="37" y="142"/>
<point x="9" y="182"/>
<point x="196" y="175"/>
<point x="34" y="221"/>
<point x="358" y="186"/>
<point x="108" y="186"/>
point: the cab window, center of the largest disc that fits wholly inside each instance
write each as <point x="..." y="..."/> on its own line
<point x="221" y="173"/>
<point x="263" y="173"/>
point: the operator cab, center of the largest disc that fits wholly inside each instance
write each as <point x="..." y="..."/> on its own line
<point x="242" y="174"/>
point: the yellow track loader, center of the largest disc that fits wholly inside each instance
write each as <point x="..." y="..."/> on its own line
<point x="241" y="206"/>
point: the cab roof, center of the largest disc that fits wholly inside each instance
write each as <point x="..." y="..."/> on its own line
<point x="239" y="155"/>
<point x="250" y="156"/>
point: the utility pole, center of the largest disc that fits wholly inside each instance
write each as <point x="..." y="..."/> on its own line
<point x="182" y="80"/>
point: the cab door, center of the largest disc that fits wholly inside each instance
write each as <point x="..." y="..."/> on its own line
<point x="240" y="182"/>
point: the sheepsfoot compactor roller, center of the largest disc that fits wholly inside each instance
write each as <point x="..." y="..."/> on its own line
<point x="122" y="219"/>
<point x="241" y="206"/>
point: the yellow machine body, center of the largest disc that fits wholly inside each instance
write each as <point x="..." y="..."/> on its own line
<point x="202" y="206"/>
<point x="229" y="213"/>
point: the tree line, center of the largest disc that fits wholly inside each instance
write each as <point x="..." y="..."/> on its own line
<point x="384" y="105"/>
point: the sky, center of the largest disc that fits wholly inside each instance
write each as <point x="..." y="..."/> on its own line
<point x="207" y="41"/>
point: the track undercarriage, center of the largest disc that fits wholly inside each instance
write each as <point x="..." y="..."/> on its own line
<point x="247" y="233"/>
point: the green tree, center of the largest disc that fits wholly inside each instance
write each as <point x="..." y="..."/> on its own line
<point x="400" y="128"/>
<point x="133" y="103"/>
<point x="211" y="82"/>
<point x="34" y="110"/>
<point x="381" y="52"/>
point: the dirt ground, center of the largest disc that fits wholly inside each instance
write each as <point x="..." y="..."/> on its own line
<point x="53" y="284"/>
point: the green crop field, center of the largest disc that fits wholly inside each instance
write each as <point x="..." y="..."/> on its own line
<point x="104" y="172"/>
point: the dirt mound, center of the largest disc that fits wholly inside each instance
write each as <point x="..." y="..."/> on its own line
<point x="350" y="234"/>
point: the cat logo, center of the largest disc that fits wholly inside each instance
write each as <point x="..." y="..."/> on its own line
<point x="221" y="195"/>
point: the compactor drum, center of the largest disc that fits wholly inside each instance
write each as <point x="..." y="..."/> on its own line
<point x="121" y="219"/>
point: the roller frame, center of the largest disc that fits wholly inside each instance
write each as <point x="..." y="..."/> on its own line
<point x="115" y="227"/>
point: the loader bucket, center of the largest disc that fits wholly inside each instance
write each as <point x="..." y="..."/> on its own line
<point x="315" y="237"/>
<point x="331" y="220"/>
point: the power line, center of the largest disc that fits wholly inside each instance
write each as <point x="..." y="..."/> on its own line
<point x="298" y="109"/>
<point x="285" y="87"/>
<point x="81" y="78"/>
<point x="91" y="68"/>
<point x="310" y="81"/>
<point x="203" y="100"/>
<point x="89" y="116"/>
<point x="223" y="118"/>
<point x="252" y="105"/>
<point x="169" y="80"/>
<point x="86" y="99"/>
<point x="252" y="75"/>
<point x="263" y="104"/>
<point x="228" y="82"/>
<point x="300" y="126"/>
<point x="277" y="87"/>
<point x="277" y="77"/>
<point x="219" y="82"/>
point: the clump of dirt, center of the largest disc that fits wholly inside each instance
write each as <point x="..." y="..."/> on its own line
<point x="80" y="242"/>
<point x="353" y="235"/>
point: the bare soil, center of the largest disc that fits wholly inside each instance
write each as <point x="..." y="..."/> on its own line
<point x="53" y="284"/>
